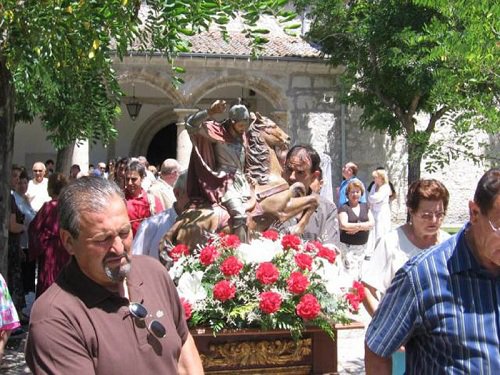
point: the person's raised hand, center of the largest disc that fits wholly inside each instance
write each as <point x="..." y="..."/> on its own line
<point x="219" y="106"/>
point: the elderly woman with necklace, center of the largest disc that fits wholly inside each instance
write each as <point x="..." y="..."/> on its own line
<point x="427" y="202"/>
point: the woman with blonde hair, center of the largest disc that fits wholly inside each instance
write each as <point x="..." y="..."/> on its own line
<point x="379" y="203"/>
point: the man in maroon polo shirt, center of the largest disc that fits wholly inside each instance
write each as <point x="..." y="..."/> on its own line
<point x="107" y="313"/>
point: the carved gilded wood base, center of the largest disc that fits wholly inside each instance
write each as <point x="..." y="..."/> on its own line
<point x="251" y="351"/>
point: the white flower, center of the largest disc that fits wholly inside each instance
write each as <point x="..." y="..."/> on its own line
<point x="259" y="250"/>
<point x="190" y="288"/>
<point x="329" y="274"/>
<point x="177" y="269"/>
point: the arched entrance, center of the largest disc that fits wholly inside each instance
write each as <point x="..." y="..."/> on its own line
<point x="163" y="145"/>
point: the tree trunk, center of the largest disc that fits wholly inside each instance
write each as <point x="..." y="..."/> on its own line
<point x="7" y="124"/>
<point x="64" y="157"/>
<point x="414" y="161"/>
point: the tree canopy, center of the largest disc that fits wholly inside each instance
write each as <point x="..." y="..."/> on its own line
<point x="56" y="61"/>
<point x="403" y="58"/>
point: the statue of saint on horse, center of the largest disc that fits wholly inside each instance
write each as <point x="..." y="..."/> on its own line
<point x="234" y="167"/>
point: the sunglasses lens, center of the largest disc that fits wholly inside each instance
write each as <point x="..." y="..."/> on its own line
<point x="137" y="310"/>
<point x="157" y="329"/>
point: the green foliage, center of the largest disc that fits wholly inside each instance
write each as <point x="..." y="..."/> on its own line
<point x="406" y="57"/>
<point x="60" y="53"/>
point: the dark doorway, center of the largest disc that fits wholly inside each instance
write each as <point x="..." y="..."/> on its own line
<point x="163" y="145"/>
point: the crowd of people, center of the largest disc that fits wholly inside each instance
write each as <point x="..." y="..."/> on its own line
<point x="432" y="296"/>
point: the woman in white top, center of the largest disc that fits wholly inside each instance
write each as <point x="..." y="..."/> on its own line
<point x="427" y="202"/>
<point x="379" y="203"/>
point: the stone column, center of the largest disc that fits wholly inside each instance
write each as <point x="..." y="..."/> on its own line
<point x="184" y="144"/>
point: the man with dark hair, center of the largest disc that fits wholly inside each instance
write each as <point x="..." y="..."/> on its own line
<point x="443" y="305"/>
<point x="49" y="166"/>
<point x="108" y="312"/>
<point x="302" y="164"/>
<point x="140" y="204"/>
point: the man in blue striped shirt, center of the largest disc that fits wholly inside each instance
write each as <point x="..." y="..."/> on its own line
<point x="443" y="305"/>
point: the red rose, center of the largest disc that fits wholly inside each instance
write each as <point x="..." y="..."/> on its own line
<point x="360" y="289"/>
<point x="270" y="302"/>
<point x="208" y="255"/>
<point x="267" y="273"/>
<point x="178" y="251"/>
<point x="297" y="283"/>
<point x="327" y="253"/>
<point x="353" y="301"/>
<point x="188" y="311"/>
<point x="231" y="241"/>
<point x="231" y="266"/>
<point x="224" y="290"/>
<point x="304" y="261"/>
<point x="290" y="241"/>
<point x="308" y="307"/>
<point x="270" y="234"/>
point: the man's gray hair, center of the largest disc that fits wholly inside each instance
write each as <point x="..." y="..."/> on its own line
<point x="86" y="194"/>
<point x="170" y="166"/>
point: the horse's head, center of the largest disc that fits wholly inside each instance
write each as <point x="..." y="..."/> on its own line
<point x="270" y="132"/>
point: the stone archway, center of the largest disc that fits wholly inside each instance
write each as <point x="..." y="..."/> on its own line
<point x="150" y="128"/>
<point x="163" y="145"/>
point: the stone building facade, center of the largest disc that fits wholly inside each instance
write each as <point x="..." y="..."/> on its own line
<point x="290" y="83"/>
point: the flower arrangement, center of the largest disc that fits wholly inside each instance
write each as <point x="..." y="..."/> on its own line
<point x="275" y="282"/>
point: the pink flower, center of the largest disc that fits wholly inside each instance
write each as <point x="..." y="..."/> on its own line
<point x="297" y="283"/>
<point x="178" y="251"/>
<point x="208" y="255"/>
<point x="270" y="234"/>
<point x="270" y="302"/>
<point x="231" y="266"/>
<point x="267" y="273"/>
<point x="303" y="261"/>
<point x="313" y="246"/>
<point x="188" y="310"/>
<point x="308" y="307"/>
<point x="290" y="241"/>
<point x="224" y="291"/>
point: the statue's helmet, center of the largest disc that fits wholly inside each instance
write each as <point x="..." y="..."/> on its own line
<point x="239" y="113"/>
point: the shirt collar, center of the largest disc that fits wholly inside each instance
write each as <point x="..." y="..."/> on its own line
<point x="92" y="293"/>
<point x="463" y="259"/>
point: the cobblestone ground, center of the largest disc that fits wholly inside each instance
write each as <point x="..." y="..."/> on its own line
<point x="351" y="354"/>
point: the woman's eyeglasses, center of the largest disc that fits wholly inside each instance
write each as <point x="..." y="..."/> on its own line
<point x="431" y="215"/>
<point x="139" y="312"/>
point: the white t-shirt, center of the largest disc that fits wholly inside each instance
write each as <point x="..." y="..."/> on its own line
<point x="391" y="252"/>
<point x="37" y="193"/>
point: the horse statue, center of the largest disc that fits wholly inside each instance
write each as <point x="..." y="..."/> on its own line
<point x="274" y="200"/>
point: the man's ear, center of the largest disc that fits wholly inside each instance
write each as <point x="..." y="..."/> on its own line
<point x="67" y="240"/>
<point x="316" y="174"/>
<point x="474" y="211"/>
